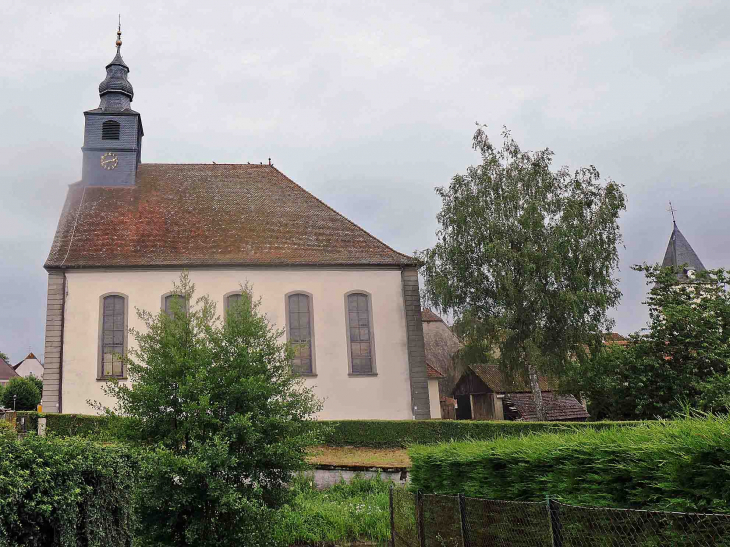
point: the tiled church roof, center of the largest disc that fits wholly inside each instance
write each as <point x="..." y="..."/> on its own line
<point x="200" y="214"/>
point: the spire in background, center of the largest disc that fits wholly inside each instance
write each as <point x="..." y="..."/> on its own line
<point x="680" y="255"/>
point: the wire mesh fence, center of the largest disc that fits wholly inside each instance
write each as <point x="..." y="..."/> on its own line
<point x="419" y="520"/>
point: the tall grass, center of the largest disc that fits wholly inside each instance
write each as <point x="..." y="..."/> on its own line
<point x="338" y="515"/>
<point x="679" y="465"/>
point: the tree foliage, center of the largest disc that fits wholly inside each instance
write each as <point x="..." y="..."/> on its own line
<point x="524" y="258"/>
<point x="682" y="360"/>
<point x="229" y="421"/>
<point x="27" y="394"/>
<point x="4" y="357"/>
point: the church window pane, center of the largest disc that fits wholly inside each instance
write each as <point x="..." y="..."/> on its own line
<point x="173" y="300"/>
<point x="360" y="334"/>
<point x="300" y="332"/>
<point x="112" y="336"/>
<point x="110" y="130"/>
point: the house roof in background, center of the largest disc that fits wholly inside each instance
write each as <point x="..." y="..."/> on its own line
<point x="497" y="382"/>
<point x="6" y="371"/>
<point x="556" y="407"/>
<point x="680" y="252"/>
<point x="30" y="356"/>
<point x="428" y="316"/>
<point x="200" y="214"/>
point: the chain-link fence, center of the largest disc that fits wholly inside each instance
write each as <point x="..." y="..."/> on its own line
<point x="419" y="520"/>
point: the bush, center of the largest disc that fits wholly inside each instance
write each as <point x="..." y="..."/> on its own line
<point x="7" y="431"/>
<point x="65" y="492"/>
<point x="28" y="396"/>
<point x="344" y="513"/>
<point x="74" y="425"/>
<point x="403" y="433"/>
<point x="677" y="466"/>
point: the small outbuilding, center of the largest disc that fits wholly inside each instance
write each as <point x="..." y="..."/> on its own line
<point x="483" y="393"/>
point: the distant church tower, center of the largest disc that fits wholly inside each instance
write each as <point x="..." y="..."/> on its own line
<point x="113" y="132"/>
<point x="681" y="256"/>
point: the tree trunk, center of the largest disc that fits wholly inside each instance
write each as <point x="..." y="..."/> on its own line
<point x="536" y="393"/>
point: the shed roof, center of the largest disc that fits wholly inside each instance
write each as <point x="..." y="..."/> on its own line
<point x="200" y="214"/>
<point x="493" y="377"/>
<point x="556" y="407"/>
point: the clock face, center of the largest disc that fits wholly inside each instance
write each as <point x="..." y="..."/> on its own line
<point x="109" y="160"/>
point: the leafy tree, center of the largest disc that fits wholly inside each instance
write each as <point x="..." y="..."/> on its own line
<point x="37" y="381"/>
<point x="229" y="421"/>
<point x="28" y="394"/>
<point x="527" y="255"/>
<point x="4" y="357"/>
<point x="682" y="361"/>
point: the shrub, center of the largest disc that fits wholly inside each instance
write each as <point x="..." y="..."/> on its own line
<point x="7" y="431"/>
<point x="75" y="425"/>
<point x="65" y="492"/>
<point x="28" y="396"/>
<point x="678" y="465"/>
<point x="403" y="433"/>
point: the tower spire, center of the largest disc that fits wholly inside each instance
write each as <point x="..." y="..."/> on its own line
<point x="116" y="91"/>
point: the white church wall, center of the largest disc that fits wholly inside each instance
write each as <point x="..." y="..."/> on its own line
<point x="384" y="396"/>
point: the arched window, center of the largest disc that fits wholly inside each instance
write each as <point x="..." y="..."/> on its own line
<point x="170" y="300"/>
<point x="360" y="343"/>
<point x="113" y="335"/>
<point x="300" y="331"/>
<point x="229" y="300"/>
<point x="110" y="130"/>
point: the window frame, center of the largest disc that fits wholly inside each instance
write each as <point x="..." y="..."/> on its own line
<point x="100" y="350"/>
<point x="173" y="293"/>
<point x="313" y="373"/>
<point x="373" y="368"/>
<point x="225" y="301"/>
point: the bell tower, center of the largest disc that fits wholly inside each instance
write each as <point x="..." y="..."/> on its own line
<point x="113" y="131"/>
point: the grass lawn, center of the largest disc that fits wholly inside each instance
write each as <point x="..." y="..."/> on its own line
<point x="349" y="455"/>
<point x="340" y="515"/>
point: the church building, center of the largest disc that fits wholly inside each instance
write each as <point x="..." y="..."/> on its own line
<point x="349" y="303"/>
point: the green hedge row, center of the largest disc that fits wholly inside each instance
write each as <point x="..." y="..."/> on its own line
<point x="72" y="425"/>
<point x="403" y="433"/>
<point x="65" y="492"/>
<point x="679" y="466"/>
<point x="361" y="433"/>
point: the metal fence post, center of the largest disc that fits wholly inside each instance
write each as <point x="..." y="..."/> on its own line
<point x="465" y="539"/>
<point x="555" y="524"/>
<point x="419" y="519"/>
<point x="392" y="518"/>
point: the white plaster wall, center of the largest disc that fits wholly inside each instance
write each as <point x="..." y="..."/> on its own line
<point x="385" y="396"/>
<point x="30" y="366"/>
<point x="433" y="398"/>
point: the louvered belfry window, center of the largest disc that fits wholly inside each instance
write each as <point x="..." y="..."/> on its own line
<point x="110" y="130"/>
<point x="300" y="332"/>
<point x="361" y="347"/>
<point x="112" y="337"/>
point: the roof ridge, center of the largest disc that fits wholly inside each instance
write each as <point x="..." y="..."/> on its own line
<point x="345" y="218"/>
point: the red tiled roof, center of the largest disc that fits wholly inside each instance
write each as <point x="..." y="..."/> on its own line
<point x="557" y="407"/>
<point x="6" y="370"/>
<point x="199" y="214"/>
<point x="428" y="316"/>
<point x="433" y="373"/>
<point x="496" y="381"/>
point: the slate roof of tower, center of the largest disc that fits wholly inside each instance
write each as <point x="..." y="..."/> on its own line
<point x="680" y="252"/>
<point x="200" y="214"/>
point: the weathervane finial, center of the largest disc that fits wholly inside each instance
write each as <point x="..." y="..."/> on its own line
<point x="119" y="33"/>
<point x="672" y="210"/>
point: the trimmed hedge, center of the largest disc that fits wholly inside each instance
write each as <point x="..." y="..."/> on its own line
<point x="403" y="433"/>
<point x="678" y="465"/>
<point x="360" y="433"/>
<point x="65" y="492"/>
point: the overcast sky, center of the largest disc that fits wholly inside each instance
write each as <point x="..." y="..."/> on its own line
<point x="370" y="105"/>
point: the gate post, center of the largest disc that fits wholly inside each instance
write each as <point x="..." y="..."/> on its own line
<point x="555" y="524"/>
<point x="465" y="539"/>
<point x="419" y="519"/>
